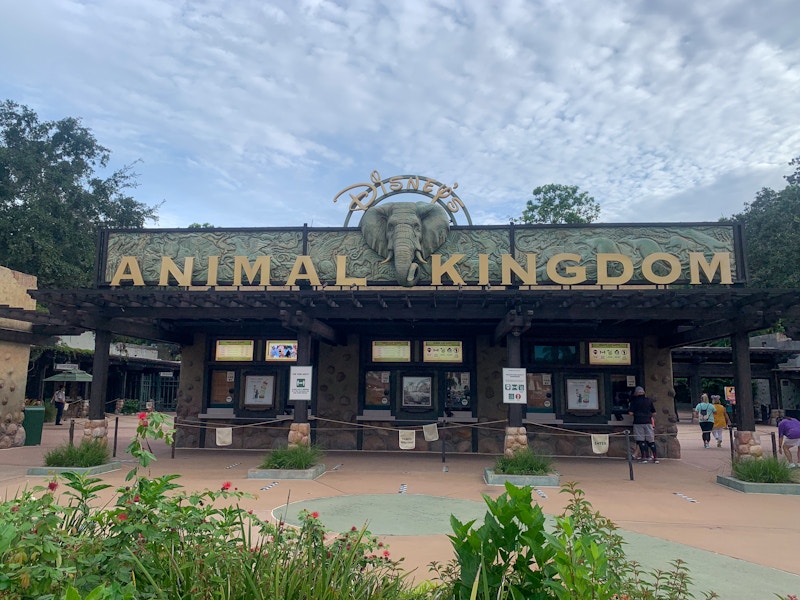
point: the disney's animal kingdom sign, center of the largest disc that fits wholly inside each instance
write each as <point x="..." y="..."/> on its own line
<point x="529" y="255"/>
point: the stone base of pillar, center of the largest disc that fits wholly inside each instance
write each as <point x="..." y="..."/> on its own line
<point x="12" y="434"/>
<point x="95" y="430"/>
<point x="516" y="439"/>
<point x="299" y="434"/>
<point x="747" y="445"/>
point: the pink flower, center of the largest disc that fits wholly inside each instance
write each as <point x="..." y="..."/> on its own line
<point x="226" y="486"/>
<point x="385" y="554"/>
<point x="315" y="515"/>
<point x="52" y="486"/>
<point x="122" y="517"/>
<point x="142" y="416"/>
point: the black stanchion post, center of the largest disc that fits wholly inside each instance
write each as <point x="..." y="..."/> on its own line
<point x="730" y="431"/>
<point x="774" y="444"/>
<point x="174" y="427"/>
<point x="116" y="435"/>
<point x="628" y="452"/>
<point x="72" y="432"/>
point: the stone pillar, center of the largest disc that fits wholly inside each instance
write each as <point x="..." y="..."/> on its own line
<point x="190" y="393"/>
<point x="742" y="381"/>
<point x="659" y="387"/>
<point x="300" y="434"/>
<point x="95" y="429"/>
<point x="97" y="402"/>
<point x="747" y="445"/>
<point x="516" y="439"/>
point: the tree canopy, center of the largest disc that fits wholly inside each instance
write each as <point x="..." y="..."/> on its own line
<point x="557" y="203"/>
<point x="772" y="234"/>
<point x="52" y="200"/>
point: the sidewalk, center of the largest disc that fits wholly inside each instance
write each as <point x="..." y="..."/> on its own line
<point x="739" y="545"/>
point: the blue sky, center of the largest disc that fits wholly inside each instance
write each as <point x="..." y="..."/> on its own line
<point x="257" y="113"/>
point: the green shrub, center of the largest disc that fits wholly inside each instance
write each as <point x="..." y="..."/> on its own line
<point x="89" y="454"/>
<point x="49" y="412"/>
<point x="768" y="470"/>
<point x="130" y="406"/>
<point x="294" y="457"/>
<point x="524" y="462"/>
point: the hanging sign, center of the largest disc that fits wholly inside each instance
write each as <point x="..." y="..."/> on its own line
<point x="514" y="388"/>
<point x="300" y="383"/>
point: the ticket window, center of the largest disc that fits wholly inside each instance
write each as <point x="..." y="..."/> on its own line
<point x="621" y="392"/>
<point x="458" y="392"/>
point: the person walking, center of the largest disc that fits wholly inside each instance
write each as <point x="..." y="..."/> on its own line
<point x="705" y="416"/>
<point x="642" y="409"/>
<point x="788" y="438"/>
<point x="59" y="400"/>
<point x="721" y="420"/>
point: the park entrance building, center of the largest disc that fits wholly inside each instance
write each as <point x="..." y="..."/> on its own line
<point x="415" y="316"/>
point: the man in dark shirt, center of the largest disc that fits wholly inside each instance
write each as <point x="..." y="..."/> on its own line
<point x="642" y="410"/>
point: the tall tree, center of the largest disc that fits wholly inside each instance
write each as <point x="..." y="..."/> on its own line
<point x="557" y="203"/>
<point x="52" y="201"/>
<point x="772" y="235"/>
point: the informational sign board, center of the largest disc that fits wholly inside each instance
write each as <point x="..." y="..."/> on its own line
<point x="602" y="353"/>
<point x="66" y="367"/>
<point x="514" y="386"/>
<point x="391" y="351"/>
<point x="234" y="350"/>
<point x="730" y="394"/>
<point x="442" y="352"/>
<point x="259" y="390"/>
<point x="300" y="383"/>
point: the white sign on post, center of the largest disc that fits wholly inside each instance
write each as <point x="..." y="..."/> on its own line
<point x="514" y="386"/>
<point x="300" y="383"/>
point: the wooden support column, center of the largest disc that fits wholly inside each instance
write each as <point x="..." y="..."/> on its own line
<point x="742" y="381"/>
<point x="300" y="428"/>
<point x="96" y="427"/>
<point x="695" y="388"/>
<point x="514" y="348"/>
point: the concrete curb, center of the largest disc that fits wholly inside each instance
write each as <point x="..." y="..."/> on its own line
<point x="492" y="478"/>
<point x="311" y="473"/>
<point x="789" y="489"/>
<point x="49" y="471"/>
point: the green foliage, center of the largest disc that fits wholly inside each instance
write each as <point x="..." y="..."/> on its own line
<point x="293" y="457"/>
<point x="89" y="453"/>
<point x="557" y="203"/>
<point x="130" y="406"/>
<point x="767" y="470"/>
<point x="52" y="200"/>
<point x="524" y="462"/>
<point x="512" y="556"/>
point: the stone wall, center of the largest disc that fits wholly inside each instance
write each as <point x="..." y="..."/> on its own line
<point x="189" y="402"/>
<point x="337" y="396"/>
<point x="490" y="363"/>
<point x="660" y="388"/>
<point x="14" y="358"/>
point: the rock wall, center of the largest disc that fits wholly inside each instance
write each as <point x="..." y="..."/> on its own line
<point x="660" y="388"/>
<point x="337" y="396"/>
<point x="189" y="401"/>
<point x="14" y="358"/>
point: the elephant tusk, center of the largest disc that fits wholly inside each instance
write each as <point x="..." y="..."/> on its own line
<point x="388" y="258"/>
<point x="412" y="273"/>
<point x="418" y="256"/>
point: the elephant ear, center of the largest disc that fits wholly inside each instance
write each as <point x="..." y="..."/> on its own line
<point x="373" y="227"/>
<point x="435" y="226"/>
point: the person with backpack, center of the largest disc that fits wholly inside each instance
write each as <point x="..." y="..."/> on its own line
<point x="642" y="409"/>
<point x="721" y="420"/>
<point x="705" y="416"/>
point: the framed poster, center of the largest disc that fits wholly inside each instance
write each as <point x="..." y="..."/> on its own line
<point x="459" y="396"/>
<point x="234" y="350"/>
<point x="540" y="392"/>
<point x="583" y="394"/>
<point x="283" y="350"/>
<point x="259" y="391"/>
<point x="417" y="391"/>
<point x="378" y="389"/>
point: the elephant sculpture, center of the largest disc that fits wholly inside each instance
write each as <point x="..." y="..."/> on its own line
<point x="406" y="232"/>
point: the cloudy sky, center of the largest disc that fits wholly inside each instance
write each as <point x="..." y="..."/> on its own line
<point x="256" y="112"/>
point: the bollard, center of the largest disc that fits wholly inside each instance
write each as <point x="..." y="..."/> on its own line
<point x="72" y="432"/>
<point x="774" y="445"/>
<point x="730" y="434"/>
<point x="628" y="452"/>
<point x="116" y="433"/>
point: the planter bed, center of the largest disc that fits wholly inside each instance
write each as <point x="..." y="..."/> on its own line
<point x="492" y="478"/>
<point x="311" y="473"/>
<point x="791" y="489"/>
<point x="96" y="470"/>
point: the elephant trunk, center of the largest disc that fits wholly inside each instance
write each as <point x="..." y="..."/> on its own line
<point x="406" y="252"/>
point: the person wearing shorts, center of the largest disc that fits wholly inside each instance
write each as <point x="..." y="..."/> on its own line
<point x="642" y="409"/>
<point x="788" y="438"/>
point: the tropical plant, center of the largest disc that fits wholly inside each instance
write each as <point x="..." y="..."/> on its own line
<point x="766" y="470"/>
<point x="293" y="457"/>
<point x="524" y="462"/>
<point x="89" y="453"/>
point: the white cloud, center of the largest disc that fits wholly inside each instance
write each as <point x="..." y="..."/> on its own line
<point x="253" y="113"/>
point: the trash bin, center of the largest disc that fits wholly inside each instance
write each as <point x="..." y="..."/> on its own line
<point x="33" y="424"/>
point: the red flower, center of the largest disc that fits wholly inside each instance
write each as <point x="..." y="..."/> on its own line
<point x="386" y="554"/>
<point x="142" y="416"/>
<point x="122" y="517"/>
<point x="52" y="486"/>
<point x="315" y="515"/>
<point x="15" y="508"/>
<point x="136" y="498"/>
<point x="226" y="486"/>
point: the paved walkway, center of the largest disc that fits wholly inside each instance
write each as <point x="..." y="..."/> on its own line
<point x="739" y="545"/>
